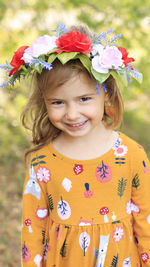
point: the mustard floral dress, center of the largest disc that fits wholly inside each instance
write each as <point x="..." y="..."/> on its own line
<point x="87" y="213"/>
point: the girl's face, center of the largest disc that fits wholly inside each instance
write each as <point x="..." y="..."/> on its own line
<point x="75" y="108"/>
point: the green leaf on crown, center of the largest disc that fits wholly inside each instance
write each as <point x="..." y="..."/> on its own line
<point x="51" y="58"/>
<point x="23" y="69"/>
<point x="101" y="77"/>
<point x="85" y="60"/>
<point x="65" y="57"/>
<point x="37" y="69"/>
<point x="121" y="79"/>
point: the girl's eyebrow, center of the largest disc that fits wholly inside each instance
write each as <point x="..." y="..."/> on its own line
<point x="80" y="96"/>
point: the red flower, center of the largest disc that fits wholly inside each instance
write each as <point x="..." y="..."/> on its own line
<point x="74" y="41"/>
<point x="125" y="57"/>
<point x="16" y="61"/>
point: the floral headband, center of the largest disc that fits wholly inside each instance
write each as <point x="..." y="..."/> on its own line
<point x="98" y="54"/>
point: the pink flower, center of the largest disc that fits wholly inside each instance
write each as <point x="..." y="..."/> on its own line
<point x="78" y="168"/>
<point x="43" y="174"/>
<point x="118" y="234"/>
<point x="121" y="151"/>
<point x="43" y="45"/>
<point x="107" y="58"/>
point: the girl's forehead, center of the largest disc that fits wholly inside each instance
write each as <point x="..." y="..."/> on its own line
<point x="77" y="85"/>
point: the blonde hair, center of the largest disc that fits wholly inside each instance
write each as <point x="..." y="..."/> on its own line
<point x="34" y="115"/>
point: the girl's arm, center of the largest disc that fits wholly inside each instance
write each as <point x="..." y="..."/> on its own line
<point x="34" y="219"/>
<point x="141" y="206"/>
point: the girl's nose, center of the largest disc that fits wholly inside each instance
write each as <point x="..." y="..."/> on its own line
<point x="72" y="113"/>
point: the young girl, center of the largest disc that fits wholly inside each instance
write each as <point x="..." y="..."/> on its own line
<point x="86" y="196"/>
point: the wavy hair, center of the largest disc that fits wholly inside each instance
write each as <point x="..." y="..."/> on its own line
<point x="34" y="115"/>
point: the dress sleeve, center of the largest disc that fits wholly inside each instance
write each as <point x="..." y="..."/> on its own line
<point x="35" y="216"/>
<point x="140" y="206"/>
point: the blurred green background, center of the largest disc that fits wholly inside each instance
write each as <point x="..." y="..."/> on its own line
<point x="20" y="23"/>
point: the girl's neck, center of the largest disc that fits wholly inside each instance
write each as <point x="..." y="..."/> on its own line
<point x="84" y="147"/>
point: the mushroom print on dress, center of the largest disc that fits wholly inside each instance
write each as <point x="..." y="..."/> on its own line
<point x="32" y="186"/>
<point x="28" y="223"/>
<point x="84" y="241"/>
<point x="104" y="211"/>
<point x="103" y="244"/>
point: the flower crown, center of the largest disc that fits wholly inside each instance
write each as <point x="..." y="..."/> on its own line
<point x="99" y="54"/>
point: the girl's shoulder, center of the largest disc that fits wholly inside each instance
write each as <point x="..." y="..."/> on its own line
<point x="39" y="154"/>
<point x="135" y="150"/>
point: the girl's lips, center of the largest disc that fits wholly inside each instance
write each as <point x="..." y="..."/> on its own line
<point x="77" y="125"/>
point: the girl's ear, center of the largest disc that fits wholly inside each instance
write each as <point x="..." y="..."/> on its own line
<point x="106" y="98"/>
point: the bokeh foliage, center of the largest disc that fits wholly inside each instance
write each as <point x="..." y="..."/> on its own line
<point x="21" y="21"/>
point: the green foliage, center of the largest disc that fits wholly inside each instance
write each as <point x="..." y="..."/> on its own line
<point x="136" y="181"/>
<point x="121" y="186"/>
<point x="63" y="249"/>
<point x="114" y="261"/>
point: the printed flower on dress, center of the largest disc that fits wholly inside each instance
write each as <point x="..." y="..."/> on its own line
<point x="145" y="257"/>
<point x="43" y="174"/>
<point x="74" y="41"/>
<point x="121" y="151"/>
<point x="78" y="168"/>
<point x="103" y="173"/>
<point x="118" y="234"/>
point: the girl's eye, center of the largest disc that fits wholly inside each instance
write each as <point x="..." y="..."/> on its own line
<point x="84" y="99"/>
<point x="57" y="102"/>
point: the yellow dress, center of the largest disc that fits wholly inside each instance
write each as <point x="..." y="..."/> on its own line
<point x="87" y="213"/>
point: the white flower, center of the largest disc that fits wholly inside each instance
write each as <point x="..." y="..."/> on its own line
<point x="118" y="234"/>
<point x="43" y="174"/>
<point x="108" y="57"/>
<point x="43" y="45"/>
<point x="67" y="184"/>
<point x="121" y="151"/>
